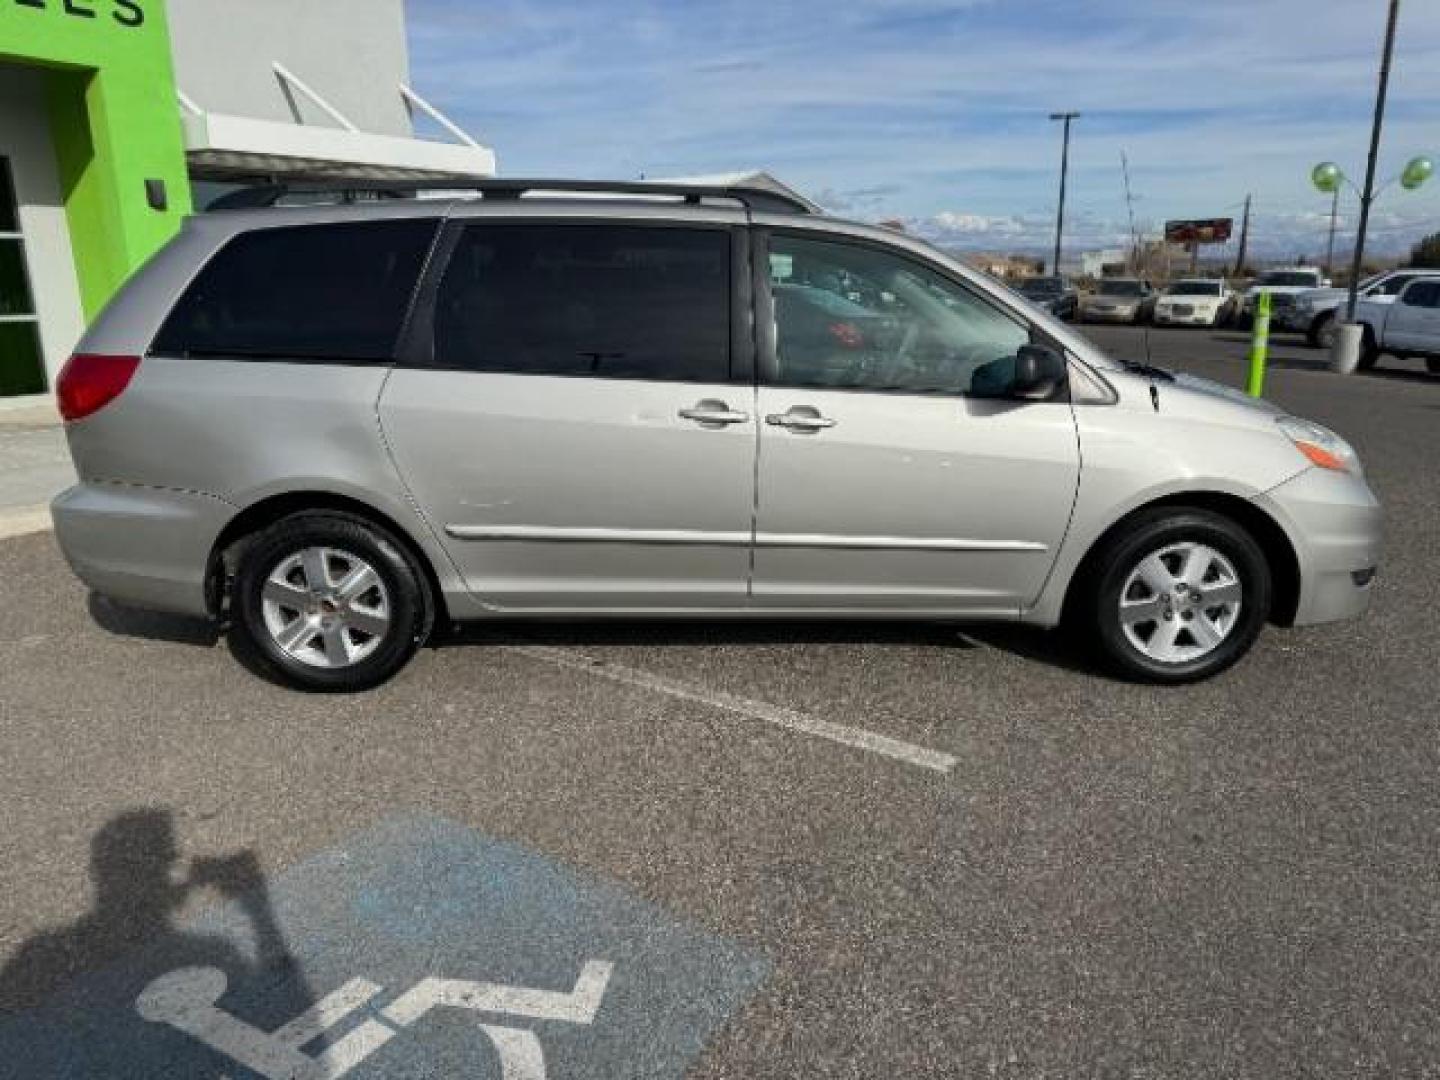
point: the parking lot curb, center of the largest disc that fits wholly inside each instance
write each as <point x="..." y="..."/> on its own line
<point x="25" y="521"/>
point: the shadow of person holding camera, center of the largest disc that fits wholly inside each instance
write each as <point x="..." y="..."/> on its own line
<point x="135" y="866"/>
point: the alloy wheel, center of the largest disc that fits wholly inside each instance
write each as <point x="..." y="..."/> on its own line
<point x="1180" y="602"/>
<point x="326" y="607"/>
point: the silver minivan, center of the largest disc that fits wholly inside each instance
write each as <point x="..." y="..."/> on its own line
<point x="335" y="426"/>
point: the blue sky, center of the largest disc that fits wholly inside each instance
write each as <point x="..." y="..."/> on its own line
<point x="937" y="112"/>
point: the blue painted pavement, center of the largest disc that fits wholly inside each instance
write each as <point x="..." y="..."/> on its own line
<point x="533" y="971"/>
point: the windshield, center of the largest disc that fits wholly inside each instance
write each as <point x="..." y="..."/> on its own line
<point x="1119" y="288"/>
<point x="1395" y="284"/>
<point x="1194" y="288"/>
<point x="1283" y="278"/>
<point x="1041" y="285"/>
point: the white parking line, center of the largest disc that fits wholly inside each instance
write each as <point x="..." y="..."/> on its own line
<point x="756" y="710"/>
<point x="24" y="520"/>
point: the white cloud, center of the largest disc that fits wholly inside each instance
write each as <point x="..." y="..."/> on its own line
<point x="921" y="109"/>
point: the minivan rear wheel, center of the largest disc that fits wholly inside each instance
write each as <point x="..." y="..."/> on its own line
<point x="328" y="602"/>
<point x="1178" y="596"/>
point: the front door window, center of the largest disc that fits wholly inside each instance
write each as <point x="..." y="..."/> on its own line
<point x="22" y="368"/>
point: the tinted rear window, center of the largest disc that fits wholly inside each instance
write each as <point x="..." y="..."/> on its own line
<point x="615" y="301"/>
<point x="324" y="292"/>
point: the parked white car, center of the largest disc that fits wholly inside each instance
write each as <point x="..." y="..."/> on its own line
<point x="1313" y="313"/>
<point x="1408" y="325"/>
<point x="1284" y="286"/>
<point x="1195" y="302"/>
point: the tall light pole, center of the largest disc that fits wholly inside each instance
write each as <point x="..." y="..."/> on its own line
<point x="1368" y="195"/>
<point x="1330" y="245"/>
<point x="1064" y="169"/>
<point x="1327" y="176"/>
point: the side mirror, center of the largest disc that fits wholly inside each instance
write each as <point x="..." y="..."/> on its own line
<point x="1039" y="372"/>
<point x="1034" y="373"/>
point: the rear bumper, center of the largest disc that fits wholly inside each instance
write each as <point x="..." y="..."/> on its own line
<point x="148" y="547"/>
<point x="1336" y="526"/>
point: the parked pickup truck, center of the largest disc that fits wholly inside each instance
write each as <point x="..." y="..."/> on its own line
<point x="1283" y="285"/>
<point x="1410" y="326"/>
<point x="1314" y="311"/>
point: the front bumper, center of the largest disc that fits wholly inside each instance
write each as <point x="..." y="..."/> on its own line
<point x="1196" y="317"/>
<point x="1109" y="315"/>
<point x="1335" y="525"/>
<point x="1293" y="319"/>
<point x="148" y="547"/>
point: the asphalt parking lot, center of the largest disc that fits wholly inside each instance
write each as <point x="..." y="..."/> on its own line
<point x="664" y="850"/>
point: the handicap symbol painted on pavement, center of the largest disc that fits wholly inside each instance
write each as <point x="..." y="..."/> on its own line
<point x="416" y="949"/>
<point x="186" y="1000"/>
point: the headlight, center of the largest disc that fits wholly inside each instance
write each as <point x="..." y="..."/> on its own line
<point x="1321" y="446"/>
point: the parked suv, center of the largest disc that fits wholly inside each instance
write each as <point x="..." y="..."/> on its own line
<point x="1053" y="294"/>
<point x="335" y="427"/>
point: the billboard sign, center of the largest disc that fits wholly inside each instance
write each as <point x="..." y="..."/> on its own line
<point x="1202" y="231"/>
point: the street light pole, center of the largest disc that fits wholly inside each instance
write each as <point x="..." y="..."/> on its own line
<point x="1330" y="247"/>
<point x="1064" y="169"/>
<point x="1368" y="195"/>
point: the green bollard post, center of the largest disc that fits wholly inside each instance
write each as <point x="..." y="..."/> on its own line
<point x="1259" y="346"/>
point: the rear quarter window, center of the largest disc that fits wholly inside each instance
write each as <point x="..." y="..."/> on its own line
<point x="304" y="292"/>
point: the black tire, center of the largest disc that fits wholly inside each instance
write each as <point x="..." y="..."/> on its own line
<point x="1432" y="365"/>
<point x="1369" y="350"/>
<point x="1317" y="327"/>
<point x="409" y="608"/>
<point x="1096" y="616"/>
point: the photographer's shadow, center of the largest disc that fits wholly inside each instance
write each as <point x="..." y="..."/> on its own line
<point x="133" y="860"/>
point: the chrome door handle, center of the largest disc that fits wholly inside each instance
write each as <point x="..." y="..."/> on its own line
<point x="800" y="421"/>
<point x="714" y="412"/>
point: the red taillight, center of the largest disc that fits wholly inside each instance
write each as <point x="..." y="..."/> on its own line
<point x="847" y="334"/>
<point x="88" y="383"/>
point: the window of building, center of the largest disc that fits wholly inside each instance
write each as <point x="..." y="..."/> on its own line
<point x="852" y="316"/>
<point x="612" y="301"/>
<point x="307" y="292"/>
<point x="22" y="366"/>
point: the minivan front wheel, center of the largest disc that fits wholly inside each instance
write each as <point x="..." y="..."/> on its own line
<point x="1178" y="596"/>
<point x="326" y="601"/>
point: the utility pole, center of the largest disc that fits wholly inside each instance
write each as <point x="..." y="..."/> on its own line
<point x="1130" y="209"/>
<point x="1244" y="239"/>
<point x="1330" y="246"/>
<point x="1368" y="195"/>
<point x="1064" y="168"/>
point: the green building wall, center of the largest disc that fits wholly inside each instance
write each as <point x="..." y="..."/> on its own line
<point x="115" y="123"/>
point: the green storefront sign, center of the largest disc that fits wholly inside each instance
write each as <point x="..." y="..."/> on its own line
<point x="115" y="125"/>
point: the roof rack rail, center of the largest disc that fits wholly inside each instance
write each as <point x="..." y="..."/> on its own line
<point x="752" y="197"/>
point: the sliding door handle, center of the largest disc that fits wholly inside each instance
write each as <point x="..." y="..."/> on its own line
<point x="800" y="418"/>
